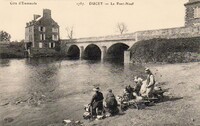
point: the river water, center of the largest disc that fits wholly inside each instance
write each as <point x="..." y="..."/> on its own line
<point x="44" y="91"/>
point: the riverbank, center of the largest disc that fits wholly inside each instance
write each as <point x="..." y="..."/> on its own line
<point x="181" y="109"/>
<point x="12" y="50"/>
<point x="17" y="50"/>
<point x="179" y="50"/>
<point x="64" y="99"/>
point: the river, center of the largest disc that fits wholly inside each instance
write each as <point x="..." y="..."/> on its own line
<point x="45" y="91"/>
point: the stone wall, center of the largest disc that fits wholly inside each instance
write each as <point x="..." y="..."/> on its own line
<point x="179" y="32"/>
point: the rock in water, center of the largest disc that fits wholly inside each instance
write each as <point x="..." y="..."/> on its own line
<point x="8" y="120"/>
<point x="67" y="121"/>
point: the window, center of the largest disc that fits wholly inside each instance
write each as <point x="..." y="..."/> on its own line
<point x="30" y="38"/>
<point x="41" y="28"/>
<point x="55" y="30"/>
<point x="197" y="12"/>
<point x="30" y="29"/>
<point x="52" y="45"/>
<point x="42" y="36"/>
<point x="40" y="45"/>
<point x="55" y="37"/>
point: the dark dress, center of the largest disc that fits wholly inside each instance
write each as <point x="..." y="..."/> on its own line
<point x="97" y="102"/>
<point x="111" y="103"/>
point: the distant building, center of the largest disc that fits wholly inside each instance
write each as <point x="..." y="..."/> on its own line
<point x="42" y="32"/>
<point x="192" y="16"/>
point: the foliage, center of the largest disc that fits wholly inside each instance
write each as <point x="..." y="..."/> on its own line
<point x="4" y="36"/>
<point x="58" y="48"/>
<point x="12" y="50"/>
<point x="165" y="50"/>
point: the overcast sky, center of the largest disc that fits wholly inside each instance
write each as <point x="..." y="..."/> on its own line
<point x="91" y="20"/>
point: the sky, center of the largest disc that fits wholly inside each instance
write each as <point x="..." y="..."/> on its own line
<point x="93" y="20"/>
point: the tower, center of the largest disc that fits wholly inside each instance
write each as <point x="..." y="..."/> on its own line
<point x="192" y="15"/>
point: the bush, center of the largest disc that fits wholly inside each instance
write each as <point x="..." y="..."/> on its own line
<point x="12" y="50"/>
<point x="165" y="50"/>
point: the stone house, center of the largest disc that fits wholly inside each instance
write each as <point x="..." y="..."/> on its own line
<point x="42" y="32"/>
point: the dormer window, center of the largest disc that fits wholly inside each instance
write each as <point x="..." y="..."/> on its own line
<point x="196" y="12"/>
<point x="41" y="28"/>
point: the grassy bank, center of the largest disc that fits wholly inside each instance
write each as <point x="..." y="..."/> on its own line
<point x="12" y="50"/>
<point x="166" y="50"/>
<point x="45" y="52"/>
<point x="17" y="50"/>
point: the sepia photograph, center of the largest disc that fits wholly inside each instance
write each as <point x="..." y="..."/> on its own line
<point x="99" y="63"/>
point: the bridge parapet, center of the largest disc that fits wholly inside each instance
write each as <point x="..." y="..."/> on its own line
<point x="130" y="36"/>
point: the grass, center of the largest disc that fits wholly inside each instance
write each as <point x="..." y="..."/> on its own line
<point x="12" y="50"/>
<point x="167" y="50"/>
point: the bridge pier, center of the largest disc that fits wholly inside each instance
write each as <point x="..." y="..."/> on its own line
<point x="127" y="56"/>
<point x="103" y="52"/>
<point x="81" y="56"/>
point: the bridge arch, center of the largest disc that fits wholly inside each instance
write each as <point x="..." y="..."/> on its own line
<point x="73" y="51"/>
<point x="116" y="51"/>
<point x="92" y="52"/>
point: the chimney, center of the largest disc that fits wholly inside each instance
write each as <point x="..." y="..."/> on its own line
<point x="35" y="16"/>
<point x="47" y="13"/>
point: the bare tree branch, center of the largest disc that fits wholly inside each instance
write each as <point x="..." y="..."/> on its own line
<point x="70" y="32"/>
<point x="122" y="28"/>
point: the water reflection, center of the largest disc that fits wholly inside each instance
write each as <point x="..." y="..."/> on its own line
<point x="50" y="81"/>
<point x="41" y="61"/>
<point x="45" y="75"/>
<point x="43" y="79"/>
<point x="4" y="62"/>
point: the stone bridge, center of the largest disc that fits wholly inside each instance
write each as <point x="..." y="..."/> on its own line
<point x="101" y="47"/>
<point x="117" y="46"/>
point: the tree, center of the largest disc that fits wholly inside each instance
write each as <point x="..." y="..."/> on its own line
<point x="121" y="27"/>
<point x="4" y="36"/>
<point x="70" y="32"/>
<point x="22" y="41"/>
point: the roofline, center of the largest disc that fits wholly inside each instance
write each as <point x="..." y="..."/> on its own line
<point x="190" y="3"/>
<point x="35" y="21"/>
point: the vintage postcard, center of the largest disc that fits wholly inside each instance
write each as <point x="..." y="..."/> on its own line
<point x="99" y="62"/>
